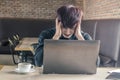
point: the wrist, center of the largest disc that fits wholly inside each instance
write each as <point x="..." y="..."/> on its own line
<point x="80" y="37"/>
<point x="56" y="37"/>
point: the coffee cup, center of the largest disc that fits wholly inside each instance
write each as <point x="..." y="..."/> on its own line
<point x="25" y="67"/>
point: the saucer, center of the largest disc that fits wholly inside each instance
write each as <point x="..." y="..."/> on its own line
<point x="24" y="72"/>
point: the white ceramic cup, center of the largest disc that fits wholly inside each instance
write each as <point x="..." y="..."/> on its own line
<point x="25" y="67"/>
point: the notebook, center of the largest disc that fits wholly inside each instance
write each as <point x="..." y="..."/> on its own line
<point x="70" y="56"/>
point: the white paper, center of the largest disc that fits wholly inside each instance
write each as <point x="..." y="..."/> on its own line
<point x="116" y="71"/>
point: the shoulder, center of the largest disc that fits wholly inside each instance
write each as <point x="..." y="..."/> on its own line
<point x="86" y="36"/>
<point x="51" y="30"/>
<point x="47" y="33"/>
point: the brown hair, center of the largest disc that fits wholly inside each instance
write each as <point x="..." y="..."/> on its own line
<point x="69" y="15"/>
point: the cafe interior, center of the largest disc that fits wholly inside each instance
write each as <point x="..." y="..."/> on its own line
<point x="24" y="20"/>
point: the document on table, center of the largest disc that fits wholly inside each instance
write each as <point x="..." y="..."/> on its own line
<point x="114" y="71"/>
<point x="114" y="74"/>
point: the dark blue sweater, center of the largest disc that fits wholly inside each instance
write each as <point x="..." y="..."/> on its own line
<point x="48" y="34"/>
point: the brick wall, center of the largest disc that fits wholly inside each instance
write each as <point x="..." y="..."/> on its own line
<point x="102" y="9"/>
<point x="43" y="9"/>
<point x="46" y="9"/>
<point x="79" y="3"/>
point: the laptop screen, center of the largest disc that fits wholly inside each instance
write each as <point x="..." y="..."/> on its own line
<point x="70" y="56"/>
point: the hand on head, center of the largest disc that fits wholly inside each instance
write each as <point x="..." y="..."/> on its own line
<point x="78" y="28"/>
<point x="78" y="31"/>
<point x="58" y="30"/>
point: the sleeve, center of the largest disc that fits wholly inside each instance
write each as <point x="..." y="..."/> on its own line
<point x="87" y="36"/>
<point x="38" y="57"/>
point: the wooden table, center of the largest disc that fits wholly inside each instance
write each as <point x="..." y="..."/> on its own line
<point x="8" y="73"/>
<point x="25" y="44"/>
<point x="1" y="66"/>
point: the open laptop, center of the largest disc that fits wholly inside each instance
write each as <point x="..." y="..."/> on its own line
<point x="70" y="56"/>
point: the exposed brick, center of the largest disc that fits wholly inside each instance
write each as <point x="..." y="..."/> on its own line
<point x="31" y="8"/>
<point x="102" y="9"/>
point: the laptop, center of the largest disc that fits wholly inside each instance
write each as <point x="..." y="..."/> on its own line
<point x="70" y="56"/>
